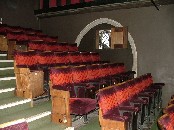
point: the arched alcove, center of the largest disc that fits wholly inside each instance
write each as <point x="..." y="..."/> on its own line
<point x="113" y="23"/>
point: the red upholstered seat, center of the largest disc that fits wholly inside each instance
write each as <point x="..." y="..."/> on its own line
<point x="93" y="72"/>
<point x="95" y="57"/>
<point x="80" y="81"/>
<point x="36" y="45"/>
<point x="169" y="109"/>
<point x="81" y="106"/>
<point x="61" y="79"/>
<point x="17" y="36"/>
<point x="72" y="47"/>
<point x="74" y="58"/>
<point x="94" y="76"/>
<point x="49" y="39"/>
<point x="130" y="97"/>
<point x="60" y="58"/>
<point x="15" y="125"/>
<point x="166" y="122"/>
<point x="45" y="58"/>
<point x="62" y="46"/>
<point x="171" y="102"/>
<point x="25" y="59"/>
<point x="114" y="115"/>
<point x="61" y="76"/>
<point x="79" y="75"/>
<point x="172" y="97"/>
<point x="86" y="58"/>
<point x="50" y="46"/>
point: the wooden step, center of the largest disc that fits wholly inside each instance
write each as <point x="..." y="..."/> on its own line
<point x="6" y="63"/>
<point x="23" y="111"/>
<point x="3" y="56"/>
<point x="7" y="72"/>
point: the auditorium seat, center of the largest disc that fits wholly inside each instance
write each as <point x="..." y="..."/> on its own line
<point x="74" y="58"/>
<point x="61" y="79"/>
<point x="19" y="124"/>
<point x="62" y="88"/>
<point x="166" y="122"/>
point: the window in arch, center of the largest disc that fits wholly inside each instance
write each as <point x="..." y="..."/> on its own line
<point x="103" y="39"/>
<point x="116" y="37"/>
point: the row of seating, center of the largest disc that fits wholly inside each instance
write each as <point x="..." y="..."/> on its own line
<point x="4" y="29"/>
<point x="25" y="39"/>
<point x="85" y="80"/>
<point x="51" y="46"/>
<point x="65" y="83"/>
<point x="34" y="39"/>
<point x="166" y="121"/>
<point x="36" y="58"/>
<point x="18" y="33"/>
<point x="130" y="105"/>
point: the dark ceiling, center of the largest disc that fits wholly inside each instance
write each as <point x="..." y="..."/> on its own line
<point x="93" y="7"/>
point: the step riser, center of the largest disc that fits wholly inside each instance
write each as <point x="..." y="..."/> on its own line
<point x="39" y="122"/>
<point x="3" y="57"/>
<point x="19" y="112"/>
<point x="7" y="73"/>
<point x="6" y="95"/>
<point x="7" y="84"/>
<point x="6" y="64"/>
<point x="12" y="113"/>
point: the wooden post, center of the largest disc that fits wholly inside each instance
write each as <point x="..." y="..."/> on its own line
<point x="60" y="107"/>
<point x="3" y="43"/>
<point x="29" y="84"/>
<point x="11" y="48"/>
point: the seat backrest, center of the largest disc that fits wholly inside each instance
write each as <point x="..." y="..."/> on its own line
<point x="60" y="58"/>
<point x="25" y="59"/>
<point x="61" y="77"/>
<point x="72" y="47"/>
<point x="36" y="45"/>
<point x="104" y="70"/>
<point x="95" y="56"/>
<point x="166" y="122"/>
<point x="74" y="57"/>
<point x="62" y="46"/>
<point x="169" y="109"/>
<point x="85" y="56"/>
<point x="20" y="124"/>
<point x="114" y="96"/>
<point x="79" y="74"/>
<point x="117" y="68"/>
<point x="45" y="58"/>
<point x="93" y="72"/>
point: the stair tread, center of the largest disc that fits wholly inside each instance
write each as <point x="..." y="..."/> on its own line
<point x="25" y="113"/>
<point x="10" y="99"/>
<point x="45" y="124"/>
<point x="7" y="68"/>
<point x="4" y="84"/>
<point x="4" y="63"/>
<point x="7" y="73"/>
<point x="6" y="87"/>
<point x="7" y="78"/>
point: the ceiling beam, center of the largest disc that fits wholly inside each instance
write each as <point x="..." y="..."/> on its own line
<point x="99" y="8"/>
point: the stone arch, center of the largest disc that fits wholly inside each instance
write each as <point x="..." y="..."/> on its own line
<point x="113" y="23"/>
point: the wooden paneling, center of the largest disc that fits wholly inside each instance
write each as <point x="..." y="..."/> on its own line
<point x="3" y="43"/>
